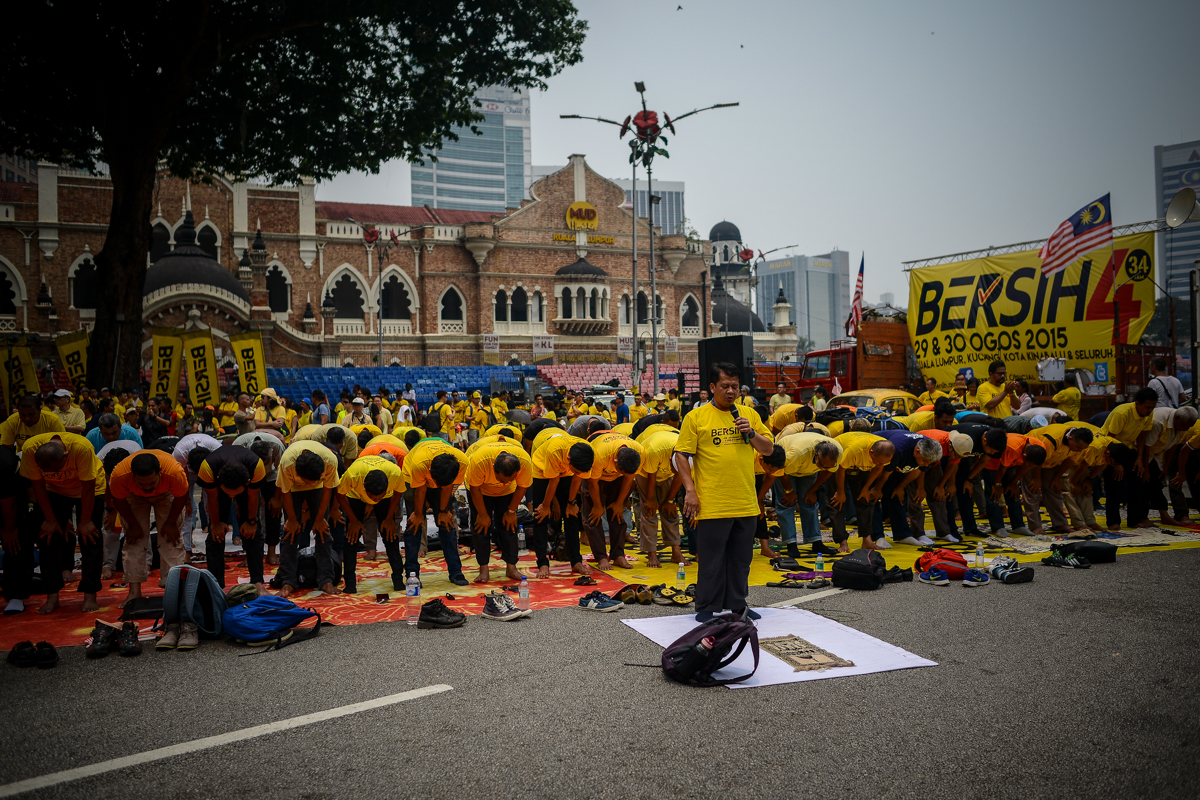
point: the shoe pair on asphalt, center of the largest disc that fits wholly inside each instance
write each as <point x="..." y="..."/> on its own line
<point x="500" y="606"/>
<point x="938" y="577"/>
<point x="436" y="614"/>
<point x="1007" y="569"/>
<point x="106" y="638"/>
<point x="179" y="636"/>
<point x="599" y="601"/>
<point x="43" y="655"/>
<point x="1067" y="561"/>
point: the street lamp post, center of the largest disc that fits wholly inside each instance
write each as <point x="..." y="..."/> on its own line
<point x="653" y="304"/>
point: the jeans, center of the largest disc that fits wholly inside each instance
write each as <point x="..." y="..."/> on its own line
<point x="447" y="535"/>
<point x="810" y="522"/>
<point x="942" y="511"/>
<point x="289" y="552"/>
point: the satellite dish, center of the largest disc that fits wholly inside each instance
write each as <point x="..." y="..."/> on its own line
<point x="1183" y="208"/>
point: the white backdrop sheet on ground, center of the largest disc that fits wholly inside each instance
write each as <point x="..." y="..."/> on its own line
<point x="868" y="653"/>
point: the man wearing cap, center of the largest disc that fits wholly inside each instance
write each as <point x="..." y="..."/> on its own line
<point x="939" y="485"/>
<point x="480" y="416"/>
<point x="745" y="399"/>
<point x="72" y="416"/>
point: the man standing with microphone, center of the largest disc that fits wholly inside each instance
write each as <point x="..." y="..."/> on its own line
<point x="715" y="458"/>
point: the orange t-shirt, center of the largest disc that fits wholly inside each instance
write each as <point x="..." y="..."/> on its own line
<point x="942" y="438"/>
<point x="172" y="477"/>
<point x="397" y="451"/>
<point x="1013" y="454"/>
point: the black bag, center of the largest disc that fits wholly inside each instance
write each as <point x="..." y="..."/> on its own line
<point x="1095" y="552"/>
<point x="695" y="656"/>
<point x="835" y="414"/>
<point x="862" y="569"/>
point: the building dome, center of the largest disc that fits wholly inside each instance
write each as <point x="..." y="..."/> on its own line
<point x="724" y="232"/>
<point x="581" y="267"/>
<point x="189" y="264"/>
<point x="731" y="315"/>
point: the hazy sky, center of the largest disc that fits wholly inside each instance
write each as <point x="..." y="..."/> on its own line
<point x="905" y="130"/>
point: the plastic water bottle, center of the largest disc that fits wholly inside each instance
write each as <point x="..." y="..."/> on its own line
<point x="680" y="577"/>
<point x="523" y="594"/>
<point x="521" y="551"/>
<point x="979" y="556"/>
<point x="820" y="565"/>
<point x="412" y="597"/>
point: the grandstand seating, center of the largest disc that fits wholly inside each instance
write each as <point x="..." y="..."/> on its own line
<point x="299" y="382"/>
<point x="582" y="376"/>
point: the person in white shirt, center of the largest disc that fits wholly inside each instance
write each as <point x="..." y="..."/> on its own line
<point x="1167" y="386"/>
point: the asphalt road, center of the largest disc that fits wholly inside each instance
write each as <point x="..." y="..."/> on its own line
<point x="1080" y="684"/>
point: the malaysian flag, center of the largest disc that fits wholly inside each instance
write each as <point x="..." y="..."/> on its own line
<point x="855" y="318"/>
<point x="1088" y="229"/>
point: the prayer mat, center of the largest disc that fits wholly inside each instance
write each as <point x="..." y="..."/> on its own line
<point x="802" y="655"/>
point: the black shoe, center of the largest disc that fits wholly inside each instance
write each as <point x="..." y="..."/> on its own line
<point x="435" y="614"/>
<point x="750" y="613"/>
<point x="104" y="640"/>
<point x="459" y="580"/>
<point x="46" y="655"/>
<point x="127" y="640"/>
<point x="793" y="550"/>
<point x="22" y="655"/>
<point x="819" y="547"/>
<point x="704" y="616"/>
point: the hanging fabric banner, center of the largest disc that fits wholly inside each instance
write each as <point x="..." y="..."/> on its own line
<point x="252" y="365"/>
<point x="203" y="386"/>
<point x="491" y="349"/>
<point x="72" y="352"/>
<point x="18" y="373"/>
<point x="167" y="346"/>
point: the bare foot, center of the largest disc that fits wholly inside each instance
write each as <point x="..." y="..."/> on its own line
<point x="604" y="565"/>
<point x="1115" y="528"/>
<point x="1183" y="520"/>
<point x="262" y="588"/>
<point x="1165" y="520"/>
<point x="843" y="548"/>
<point x="68" y="576"/>
<point x="766" y="552"/>
<point x="286" y="591"/>
<point x="134" y="593"/>
<point x="273" y="559"/>
<point x="51" y="604"/>
<point x="1095" y="528"/>
<point x="106" y="573"/>
<point x="581" y="568"/>
<point x="544" y="571"/>
<point x="622" y="563"/>
<point x="1062" y="529"/>
<point x="652" y="562"/>
<point x="676" y="555"/>
<point x="511" y="572"/>
<point x="485" y="575"/>
<point x="329" y="588"/>
<point x="89" y="602"/>
<point x="869" y="544"/>
<point x="1145" y="523"/>
<point x="1038" y="531"/>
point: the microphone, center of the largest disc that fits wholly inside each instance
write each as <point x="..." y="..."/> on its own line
<point x="733" y="410"/>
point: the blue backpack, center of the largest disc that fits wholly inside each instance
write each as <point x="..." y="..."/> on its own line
<point x="193" y="595"/>
<point x="269" y="620"/>
<point x="880" y="419"/>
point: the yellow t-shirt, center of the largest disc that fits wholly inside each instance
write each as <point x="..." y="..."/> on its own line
<point x="416" y="463"/>
<point x="481" y="472"/>
<point x="927" y="399"/>
<point x="636" y="412"/>
<point x="785" y="415"/>
<point x="625" y="428"/>
<point x="80" y="464"/>
<point x="501" y="426"/>
<point x="444" y="411"/>
<point x="551" y="415"/>
<point x="659" y="447"/>
<point x="606" y="446"/>
<point x="500" y="408"/>
<point x="1069" y="400"/>
<point x="14" y="432"/>
<point x="856" y="450"/>
<point x="374" y="429"/>
<point x="550" y="455"/>
<point x="987" y="390"/>
<point x="920" y="421"/>
<point x="289" y="481"/>
<point x="479" y="418"/>
<point x="320" y="433"/>
<point x="674" y="405"/>
<point x="1124" y="424"/>
<point x="225" y="414"/>
<point x="722" y="463"/>
<point x="352" y="481"/>
<point x="799" y="447"/>
<point x="1093" y="456"/>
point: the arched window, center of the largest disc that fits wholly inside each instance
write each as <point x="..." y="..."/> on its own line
<point x="691" y="313"/>
<point x="501" y="306"/>
<point x="348" y="298"/>
<point x="581" y="303"/>
<point x="604" y="304"/>
<point x="83" y="286"/>
<point x="520" y="305"/>
<point x="279" y="293"/>
<point x="565" y="311"/>
<point x="452" y="305"/>
<point x="396" y="303"/>
<point x="538" y="311"/>
<point x="206" y="240"/>
<point x="160" y="242"/>
<point x="643" y="309"/>
<point x="626" y="311"/>
<point x="725" y="254"/>
<point x="658" y="314"/>
<point x="8" y="294"/>
<point x="594" y="304"/>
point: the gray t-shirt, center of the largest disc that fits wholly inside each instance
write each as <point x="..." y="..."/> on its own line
<point x="247" y="439"/>
<point x="1169" y="388"/>
<point x="185" y="446"/>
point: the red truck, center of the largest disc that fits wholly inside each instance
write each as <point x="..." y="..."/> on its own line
<point x="879" y="358"/>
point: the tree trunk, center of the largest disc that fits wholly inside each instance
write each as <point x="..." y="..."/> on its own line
<point x="115" y="352"/>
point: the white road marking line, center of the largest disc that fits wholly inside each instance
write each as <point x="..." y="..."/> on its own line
<point x="794" y="601"/>
<point x="54" y="778"/>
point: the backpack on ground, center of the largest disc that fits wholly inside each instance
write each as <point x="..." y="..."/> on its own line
<point x="862" y="569"/>
<point x="269" y="620"/>
<point x="695" y="656"/>
<point x="193" y="595"/>
<point x="834" y="414"/>
<point x="953" y="563"/>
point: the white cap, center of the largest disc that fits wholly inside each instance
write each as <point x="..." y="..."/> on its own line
<point x="62" y="393"/>
<point x="961" y="443"/>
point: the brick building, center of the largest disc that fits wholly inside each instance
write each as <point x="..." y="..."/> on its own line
<point x="435" y="281"/>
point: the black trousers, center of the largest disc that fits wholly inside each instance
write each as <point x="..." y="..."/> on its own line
<point x="350" y="552"/>
<point x="567" y="527"/>
<point x="289" y="552"/>
<point x="1115" y="493"/>
<point x="270" y="524"/>
<point x="725" y="548"/>
<point x="855" y="482"/>
<point x="58" y="554"/>
<point x="496" y="507"/>
<point x="214" y="551"/>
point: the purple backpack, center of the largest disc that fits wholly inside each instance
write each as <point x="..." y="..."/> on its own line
<point x="695" y="656"/>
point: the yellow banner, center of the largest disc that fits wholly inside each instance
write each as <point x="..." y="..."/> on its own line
<point x="252" y="366"/>
<point x="72" y="352"/>
<point x="201" y="359"/>
<point x="167" y="348"/>
<point x="18" y="372"/>
<point x="963" y="316"/>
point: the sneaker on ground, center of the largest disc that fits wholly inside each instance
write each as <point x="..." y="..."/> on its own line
<point x="189" y="636"/>
<point x="499" y="607"/>
<point x="170" y="639"/>
<point x="975" y="577"/>
<point x="1068" y="561"/>
<point x="599" y="601"/>
<point x="104" y="640"/>
<point x="934" y="577"/>
<point x="128" y="640"/>
<point x="436" y="614"/>
<point x="999" y="563"/>
<point x="1013" y="573"/>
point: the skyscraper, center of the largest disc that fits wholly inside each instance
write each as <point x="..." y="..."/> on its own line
<point x="818" y="287"/>
<point x="482" y="173"/>
<point x="1176" y="166"/>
